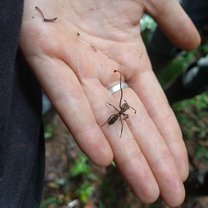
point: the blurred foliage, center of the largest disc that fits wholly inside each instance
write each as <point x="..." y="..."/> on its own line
<point x="192" y="115"/>
<point x="82" y="173"/>
<point x="85" y="191"/>
<point x="48" y="131"/>
<point x="176" y="66"/>
<point x="147" y="27"/>
<point x="52" y="202"/>
<point x="108" y="193"/>
<point x="82" y="187"/>
<point x="179" y="64"/>
<point x="80" y="167"/>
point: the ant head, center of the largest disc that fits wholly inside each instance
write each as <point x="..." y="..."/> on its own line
<point x="125" y="105"/>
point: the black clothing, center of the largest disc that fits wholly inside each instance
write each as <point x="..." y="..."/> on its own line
<point x="21" y="140"/>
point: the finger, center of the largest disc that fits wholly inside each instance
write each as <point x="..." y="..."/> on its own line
<point x="127" y="154"/>
<point x="148" y="89"/>
<point x="174" y="22"/>
<point x="66" y="94"/>
<point x="155" y="151"/>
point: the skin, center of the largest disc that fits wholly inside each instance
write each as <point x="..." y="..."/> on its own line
<point x="74" y="59"/>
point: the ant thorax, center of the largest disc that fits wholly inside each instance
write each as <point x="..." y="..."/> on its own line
<point x="125" y="106"/>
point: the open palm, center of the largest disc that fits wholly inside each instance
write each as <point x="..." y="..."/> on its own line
<point x="74" y="58"/>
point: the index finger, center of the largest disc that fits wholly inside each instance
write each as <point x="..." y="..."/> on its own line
<point x="174" y="22"/>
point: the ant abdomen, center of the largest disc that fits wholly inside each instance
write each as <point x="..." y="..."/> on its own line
<point x="112" y="119"/>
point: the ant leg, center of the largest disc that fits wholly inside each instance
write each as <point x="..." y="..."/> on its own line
<point x="121" y="126"/>
<point x="107" y="120"/>
<point x="125" y="116"/>
<point x="130" y="107"/>
<point x="133" y="109"/>
<point x="113" y="107"/>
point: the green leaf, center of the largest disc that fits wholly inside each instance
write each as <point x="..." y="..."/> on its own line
<point x="80" y="167"/>
<point x="48" y="131"/>
<point x="85" y="191"/>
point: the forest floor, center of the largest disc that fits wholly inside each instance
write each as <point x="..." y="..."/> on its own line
<point x="73" y="181"/>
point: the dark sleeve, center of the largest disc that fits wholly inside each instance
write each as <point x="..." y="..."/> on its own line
<point x="21" y="140"/>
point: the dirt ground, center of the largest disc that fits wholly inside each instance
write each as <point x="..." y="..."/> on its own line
<point x="60" y="187"/>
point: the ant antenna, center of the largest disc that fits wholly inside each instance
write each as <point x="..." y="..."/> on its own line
<point x="120" y="88"/>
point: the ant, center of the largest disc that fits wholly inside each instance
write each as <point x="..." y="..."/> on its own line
<point x="123" y="108"/>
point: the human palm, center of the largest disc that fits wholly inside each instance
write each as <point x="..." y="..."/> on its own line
<point x="74" y="59"/>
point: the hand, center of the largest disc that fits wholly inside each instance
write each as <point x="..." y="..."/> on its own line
<point x="74" y="59"/>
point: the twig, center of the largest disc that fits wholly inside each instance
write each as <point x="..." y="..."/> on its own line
<point x="45" y="19"/>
